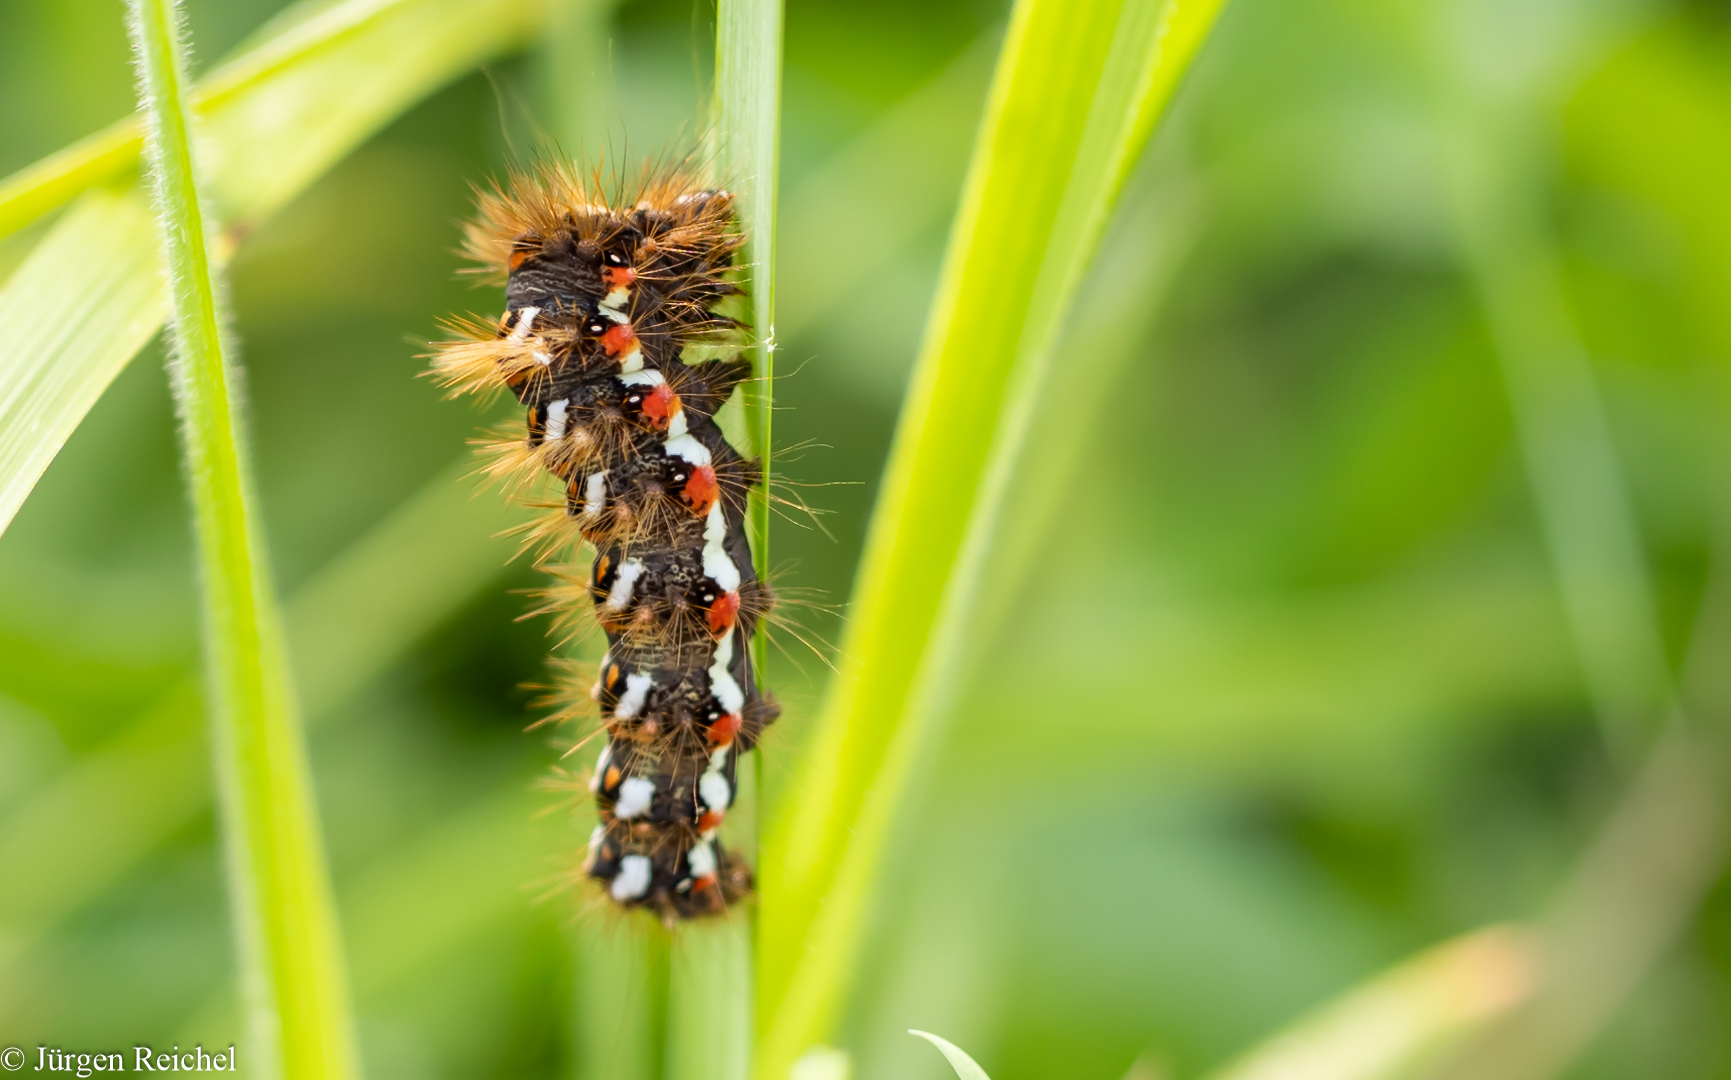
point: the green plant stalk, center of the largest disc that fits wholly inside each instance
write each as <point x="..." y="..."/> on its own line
<point x="1040" y="190"/>
<point x="295" y="992"/>
<point x="709" y="1000"/>
<point x="710" y="996"/>
<point x="619" y="1022"/>
<point x="748" y="118"/>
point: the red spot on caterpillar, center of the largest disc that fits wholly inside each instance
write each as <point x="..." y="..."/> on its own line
<point x="711" y="819"/>
<point x="660" y="406"/>
<point x="723" y="612"/>
<point x="701" y="490"/>
<point x="618" y="339"/>
<point x="707" y="881"/>
<point x="721" y="732"/>
<point x="618" y="277"/>
<point x="518" y="257"/>
<point x="611" y="780"/>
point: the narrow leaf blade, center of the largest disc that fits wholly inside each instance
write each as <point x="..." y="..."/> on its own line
<point x="1076" y="94"/>
<point x="965" y="1066"/>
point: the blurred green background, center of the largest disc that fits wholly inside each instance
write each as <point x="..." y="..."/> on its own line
<point x="1277" y="688"/>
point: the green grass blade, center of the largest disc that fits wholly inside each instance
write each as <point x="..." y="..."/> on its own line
<point x="710" y="996"/>
<point x="619" y="1021"/>
<point x="295" y="992"/>
<point x="965" y="1066"/>
<point x="56" y="360"/>
<point x="709" y="1000"/>
<point x="58" y="178"/>
<point x="1390" y="1026"/>
<point x="273" y="121"/>
<point x="1078" y="89"/>
<point x="748" y="118"/>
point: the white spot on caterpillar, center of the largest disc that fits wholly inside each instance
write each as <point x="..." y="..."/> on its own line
<point x="688" y="448"/>
<point x="726" y="691"/>
<point x="558" y="413"/>
<point x="632" y="880"/>
<point x="718" y="759"/>
<point x="635" y="795"/>
<point x="616" y="298"/>
<point x="716" y="563"/>
<point x="717" y="793"/>
<point x="636" y="689"/>
<point x="542" y="357"/>
<point x="620" y="595"/>
<point x="614" y="313"/>
<point x="601" y="759"/>
<point x="721" y="682"/>
<point x="595" y="837"/>
<point x="676" y="427"/>
<point x="643" y="378"/>
<point x="631" y="361"/>
<point x="594" y="493"/>
<point x="701" y="860"/>
<point x="525" y="323"/>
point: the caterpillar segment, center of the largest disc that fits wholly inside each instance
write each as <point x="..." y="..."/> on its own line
<point x="602" y="305"/>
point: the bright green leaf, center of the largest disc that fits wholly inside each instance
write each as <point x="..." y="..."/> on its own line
<point x="1078" y="89"/>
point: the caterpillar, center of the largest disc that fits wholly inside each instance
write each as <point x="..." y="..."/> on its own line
<point x="614" y="342"/>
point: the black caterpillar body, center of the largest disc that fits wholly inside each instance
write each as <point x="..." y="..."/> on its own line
<point x="602" y="304"/>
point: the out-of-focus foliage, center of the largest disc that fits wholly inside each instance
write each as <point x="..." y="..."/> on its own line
<point x="1279" y="690"/>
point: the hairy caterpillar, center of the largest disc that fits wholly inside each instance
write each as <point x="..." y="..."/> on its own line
<point x="606" y="301"/>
